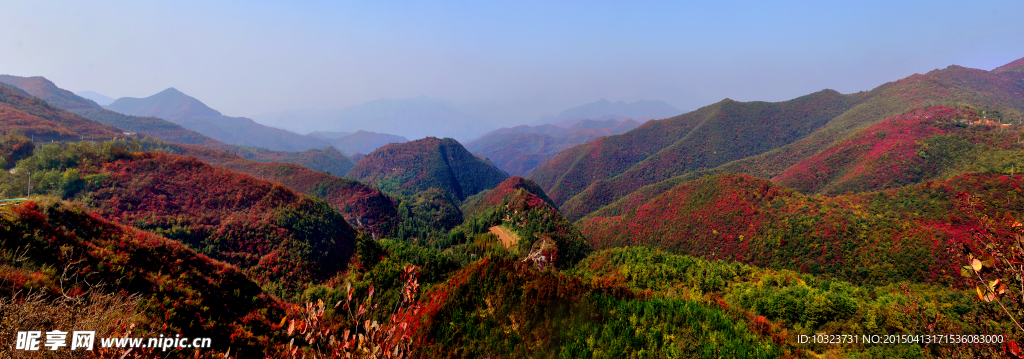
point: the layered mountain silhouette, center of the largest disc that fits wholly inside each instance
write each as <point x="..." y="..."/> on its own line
<point x="415" y="118"/>
<point x="96" y="97"/>
<point x="177" y="107"/>
<point x="606" y="110"/>
<point x="308" y="172"/>
<point x="327" y="160"/>
<point x="518" y="150"/>
<point x="358" y="142"/>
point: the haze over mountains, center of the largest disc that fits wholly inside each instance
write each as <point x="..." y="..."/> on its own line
<point x="98" y="98"/>
<point x="603" y="110"/>
<point x="518" y="150"/>
<point x="422" y="116"/>
<point x="721" y="227"/>
<point x="177" y="107"/>
<point x="361" y="142"/>
<point x="413" y="118"/>
<point x="423" y="113"/>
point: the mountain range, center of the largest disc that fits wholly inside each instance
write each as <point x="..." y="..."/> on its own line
<point x="415" y="118"/>
<point x="518" y="150"/>
<point x="98" y="98"/>
<point x="757" y="138"/>
<point x="177" y="107"/>
<point x="361" y="142"/>
<point x="729" y="231"/>
<point x="605" y="110"/>
<point x="39" y="87"/>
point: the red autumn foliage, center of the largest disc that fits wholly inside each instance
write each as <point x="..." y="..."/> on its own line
<point x="184" y="292"/>
<point x="901" y="233"/>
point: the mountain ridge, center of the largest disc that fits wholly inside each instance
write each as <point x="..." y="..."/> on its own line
<point x="587" y="185"/>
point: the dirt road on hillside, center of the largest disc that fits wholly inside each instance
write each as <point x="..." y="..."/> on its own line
<point x="506" y="236"/>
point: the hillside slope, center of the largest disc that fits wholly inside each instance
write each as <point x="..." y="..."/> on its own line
<point x="603" y="170"/>
<point x="279" y="237"/>
<point x="364" y="207"/>
<point x="994" y="91"/>
<point x="917" y="146"/>
<point x="870" y="237"/>
<point x="185" y="292"/>
<point x="580" y="183"/>
<point x="36" y="118"/>
<point x="40" y="87"/>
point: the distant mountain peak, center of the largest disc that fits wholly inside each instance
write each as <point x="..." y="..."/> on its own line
<point x="96" y="97"/>
<point x="412" y="117"/>
<point x="639" y="110"/>
<point x="168" y="104"/>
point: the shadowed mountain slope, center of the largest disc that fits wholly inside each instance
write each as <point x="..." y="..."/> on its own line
<point x="411" y="167"/>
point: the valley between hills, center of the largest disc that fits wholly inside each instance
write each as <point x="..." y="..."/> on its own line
<point x="736" y="230"/>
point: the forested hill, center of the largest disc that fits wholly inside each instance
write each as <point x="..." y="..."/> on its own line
<point x="611" y="166"/>
<point x="415" y="166"/>
<point x="44" y="122"/>
<point x="920" y="145"/>
<point x="761" y="139"/>
<point x="124" y="273"/>
<point x="40" y="87"/>
<point x="905" y="233"/>
<point x="279" y="237"/>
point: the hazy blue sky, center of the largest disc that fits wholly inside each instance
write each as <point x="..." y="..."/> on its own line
<point x="249" y="57"/>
